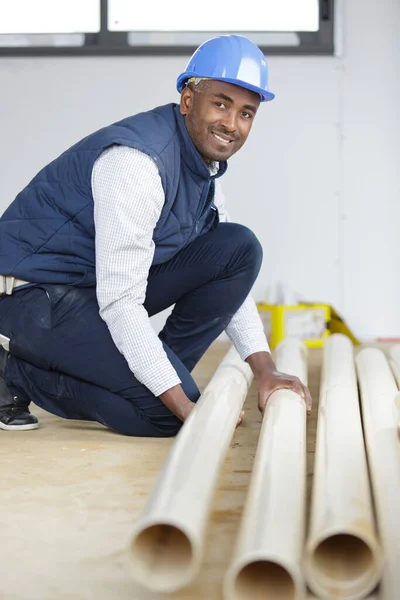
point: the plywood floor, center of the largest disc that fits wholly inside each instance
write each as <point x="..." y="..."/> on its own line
<point x="71" y="491"/>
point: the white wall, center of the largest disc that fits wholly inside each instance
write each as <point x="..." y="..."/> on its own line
<point x="318" y="180"/>
<point x="370" y="167"/>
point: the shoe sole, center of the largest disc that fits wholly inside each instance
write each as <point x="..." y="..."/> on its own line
<point x="18" y="427"/>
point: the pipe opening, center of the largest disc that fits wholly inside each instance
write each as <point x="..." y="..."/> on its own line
<point x="343" y="558"/>
<point x="264" y="579"/>
<point x="162" y="556"/>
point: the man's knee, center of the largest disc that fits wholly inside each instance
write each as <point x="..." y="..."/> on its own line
<point x="251" y="241"/>
<point x="244" y="244"/>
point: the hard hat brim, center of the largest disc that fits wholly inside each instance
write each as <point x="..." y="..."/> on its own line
<point x="265" y="95"/>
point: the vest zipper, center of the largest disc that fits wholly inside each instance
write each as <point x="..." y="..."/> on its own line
<point x="204" y="206"/>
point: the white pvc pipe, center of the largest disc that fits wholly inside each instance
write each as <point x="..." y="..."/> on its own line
<point x="269" y="548"/>
<point x="168" y="539"/>
<point x="342" y="558"/>
<point x="394" y="360"/>
<point x="378" y="391"/>
<point x="372" y="597"/>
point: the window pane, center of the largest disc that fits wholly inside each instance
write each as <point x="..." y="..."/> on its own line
<point x="30" y="40"/>
<point x="49" y="16"/>
<point x="162" y="38"/>
<point x="263" y="15"/>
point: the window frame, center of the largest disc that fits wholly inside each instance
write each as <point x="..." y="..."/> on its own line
<point x="109" y="43"/>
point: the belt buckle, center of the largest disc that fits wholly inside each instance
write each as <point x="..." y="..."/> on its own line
<point x="9" y="285"/>
<point x="6" y="285"/>
<point x="5" y="342"/>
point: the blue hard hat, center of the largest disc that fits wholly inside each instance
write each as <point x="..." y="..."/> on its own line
<point x="231" y="58"/>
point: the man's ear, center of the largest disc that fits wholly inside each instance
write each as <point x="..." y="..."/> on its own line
<point x="186" y="100"/>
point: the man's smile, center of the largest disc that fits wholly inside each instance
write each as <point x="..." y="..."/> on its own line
<point x="222" y="138"/>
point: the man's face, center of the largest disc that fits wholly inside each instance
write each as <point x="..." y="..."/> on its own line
<point x="218" y="117"/>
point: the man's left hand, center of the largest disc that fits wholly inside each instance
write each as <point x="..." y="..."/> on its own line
<point x="270" y="380"/>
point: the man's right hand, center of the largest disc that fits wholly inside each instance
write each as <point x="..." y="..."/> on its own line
<point x="179" y="404"/>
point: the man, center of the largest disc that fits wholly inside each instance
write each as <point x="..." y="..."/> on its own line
<point x="127" y="222"/>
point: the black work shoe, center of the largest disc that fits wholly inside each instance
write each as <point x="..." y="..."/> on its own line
<point x="14" y="414"/>
<point x="17" y="418"/>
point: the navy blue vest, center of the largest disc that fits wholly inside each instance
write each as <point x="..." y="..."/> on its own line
<point x="47" y="234"/>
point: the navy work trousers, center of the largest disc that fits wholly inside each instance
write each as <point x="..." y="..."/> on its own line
<point x="63" y="358"/>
